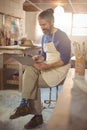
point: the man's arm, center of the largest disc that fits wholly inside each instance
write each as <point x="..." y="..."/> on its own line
<point x="44" y="66"/>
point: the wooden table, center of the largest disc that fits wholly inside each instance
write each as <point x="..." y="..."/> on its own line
<point x="7" y="63"/>
<point x="70" y="112"/>
<point x="16" y="49"/>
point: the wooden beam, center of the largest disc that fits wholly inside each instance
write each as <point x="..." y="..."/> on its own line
<point x="29" y="6"/>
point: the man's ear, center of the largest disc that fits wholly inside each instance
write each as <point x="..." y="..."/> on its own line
<point x="52" y="23"/>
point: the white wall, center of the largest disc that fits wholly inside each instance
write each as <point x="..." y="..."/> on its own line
<point x="30" y="25"/>
<point x="13" y="8"/>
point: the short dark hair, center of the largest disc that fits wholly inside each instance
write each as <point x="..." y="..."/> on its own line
<point x="47" y="15"/>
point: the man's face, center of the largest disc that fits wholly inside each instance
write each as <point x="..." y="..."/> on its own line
<point x="45" y="26"/>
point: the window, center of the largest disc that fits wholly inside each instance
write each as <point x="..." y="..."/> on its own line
<point x="63" y="22"/>
<point x="75" y="24"/>
<point x="72" y="24"/>
<point x="79" y="24"/>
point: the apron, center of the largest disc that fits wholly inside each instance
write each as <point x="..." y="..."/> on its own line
<point x="55" y="76"/>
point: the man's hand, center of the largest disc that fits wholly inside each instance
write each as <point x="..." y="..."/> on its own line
<point x="38" y="58"/>
<point x="44" y="66"/>
<point x="41" y="66"/>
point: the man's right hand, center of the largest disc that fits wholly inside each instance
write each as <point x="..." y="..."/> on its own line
<point x="38" y="58"/>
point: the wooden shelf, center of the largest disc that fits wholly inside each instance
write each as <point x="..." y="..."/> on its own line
<point x="8" y="67"/>
<point x="11" y="66"/>
<point x="15" y="82"/>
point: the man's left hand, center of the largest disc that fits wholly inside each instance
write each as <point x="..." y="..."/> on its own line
<point x="41" y="66"/>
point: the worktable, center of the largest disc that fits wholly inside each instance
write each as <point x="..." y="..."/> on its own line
<point x="70" y="112"/>
<point x="8" y="65"/>
<point x="17" y="49"/>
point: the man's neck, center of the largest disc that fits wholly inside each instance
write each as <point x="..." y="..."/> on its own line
<point x="53" y="30"/>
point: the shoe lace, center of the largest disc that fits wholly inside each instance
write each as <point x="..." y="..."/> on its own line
<point x="36" y="116"/>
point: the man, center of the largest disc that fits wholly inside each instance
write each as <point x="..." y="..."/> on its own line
<point x="51" y="69"/>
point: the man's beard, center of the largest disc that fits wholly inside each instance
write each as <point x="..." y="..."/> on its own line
<point x="47" y="31"/>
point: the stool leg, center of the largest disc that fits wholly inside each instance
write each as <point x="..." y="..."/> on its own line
<point x="49" y="101"/>
<point x="50" y="94"/>
<point x="56" y="93"/>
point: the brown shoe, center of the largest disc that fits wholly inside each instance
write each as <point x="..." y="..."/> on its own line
<point x="34" y="122"/>
<point x="21" y="111"/>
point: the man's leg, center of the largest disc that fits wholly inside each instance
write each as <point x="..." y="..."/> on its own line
<point x="29" y="91"/>
<point x="36" y="110"/>
<point x="32" y="94"/>
<point x="37" y="119"/>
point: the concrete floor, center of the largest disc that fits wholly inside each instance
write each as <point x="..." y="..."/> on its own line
<point x="10" y="99"/>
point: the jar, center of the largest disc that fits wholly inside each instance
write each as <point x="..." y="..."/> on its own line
<point x="80" y="63"/>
